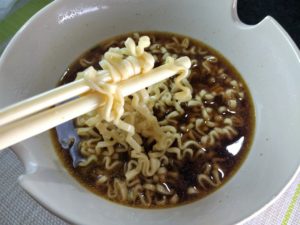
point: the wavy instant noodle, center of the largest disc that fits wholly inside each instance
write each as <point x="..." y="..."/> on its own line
<point x="171" y="143"/>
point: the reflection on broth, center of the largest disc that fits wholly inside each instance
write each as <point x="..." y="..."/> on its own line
<point x="185" y="148"/>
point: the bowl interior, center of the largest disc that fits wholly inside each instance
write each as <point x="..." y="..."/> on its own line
<point x="264" y="55"/>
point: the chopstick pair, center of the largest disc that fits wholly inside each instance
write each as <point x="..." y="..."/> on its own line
<point x="33" y="116"/>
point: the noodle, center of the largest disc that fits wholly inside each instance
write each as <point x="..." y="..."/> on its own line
<point x="162" y="145"/>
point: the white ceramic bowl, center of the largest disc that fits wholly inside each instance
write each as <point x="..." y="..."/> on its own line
<point x="264" y="54"/>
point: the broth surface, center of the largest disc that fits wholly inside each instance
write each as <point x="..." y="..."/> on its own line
<point x="212" y="77"/>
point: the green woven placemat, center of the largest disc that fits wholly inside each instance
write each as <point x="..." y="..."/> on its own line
<point x="12" y="23"/>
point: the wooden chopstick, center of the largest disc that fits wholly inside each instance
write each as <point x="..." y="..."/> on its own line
<point x="30" y="126"/>
<point x="42" y="101"/>
<point x="24" y="125"/>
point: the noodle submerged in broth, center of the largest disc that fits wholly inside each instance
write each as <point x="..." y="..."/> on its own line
<point x="191" y="132"/>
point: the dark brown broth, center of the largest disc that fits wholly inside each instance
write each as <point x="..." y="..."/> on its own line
<point x="188" y="168"/>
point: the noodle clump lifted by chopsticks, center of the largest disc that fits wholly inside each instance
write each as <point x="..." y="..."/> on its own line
<point x="120" y="64"/>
